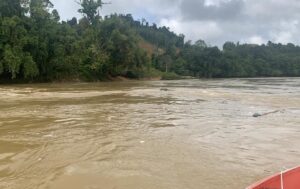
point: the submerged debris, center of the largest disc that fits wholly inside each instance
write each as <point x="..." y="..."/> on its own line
<point x="164" y="89"/>
<point x="257" y="115"/>
<point x="264" y="114"/>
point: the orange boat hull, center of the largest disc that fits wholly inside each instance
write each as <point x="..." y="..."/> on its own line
<point x="289" y="179"/>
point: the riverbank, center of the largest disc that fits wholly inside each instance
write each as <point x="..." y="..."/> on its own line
<point x="155" y="77"/>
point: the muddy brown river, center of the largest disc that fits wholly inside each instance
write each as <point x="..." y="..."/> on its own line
<point x="190" y="134"/>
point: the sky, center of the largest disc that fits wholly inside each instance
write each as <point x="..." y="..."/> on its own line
<point x="215" y="21"/>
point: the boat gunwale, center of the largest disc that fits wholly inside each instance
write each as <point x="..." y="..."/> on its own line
<point x="270" y="178"/>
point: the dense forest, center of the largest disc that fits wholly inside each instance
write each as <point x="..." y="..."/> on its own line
<point x="35" y="45"/>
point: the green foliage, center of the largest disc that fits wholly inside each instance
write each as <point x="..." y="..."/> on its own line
<point x="1" y="67"/>
<point x="229" y="46"/>
<point x="247" y="60"/>
<point x="179" y="66"/>
<point x="170" y="76"/>
<point x="35" y="45"/>
<point x="55" y="15"/>
<point x="30" y="67"/>
<point x="201" y="43"/>
<point x="90" y="9"/>
<point x="12" y="8"/>
<point x="39" y="10"/>
<point x="12" y="61"/>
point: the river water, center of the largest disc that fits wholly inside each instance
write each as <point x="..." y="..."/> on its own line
<point x="188" y="134"/>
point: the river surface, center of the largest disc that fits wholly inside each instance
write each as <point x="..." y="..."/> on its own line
<point x="190" y="134"/>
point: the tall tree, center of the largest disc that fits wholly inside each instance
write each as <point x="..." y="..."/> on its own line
<point x="39" y="9"/>
<point x="90" y="8"/>
<point x="9" y="8"/>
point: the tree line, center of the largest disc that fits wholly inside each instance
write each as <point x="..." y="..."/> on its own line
<point x="35" y="45"/>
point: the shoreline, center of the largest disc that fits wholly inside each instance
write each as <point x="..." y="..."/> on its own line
<point x="125" y="79"/>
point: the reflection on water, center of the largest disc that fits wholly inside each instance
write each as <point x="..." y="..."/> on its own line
<point x="132" y="135"/>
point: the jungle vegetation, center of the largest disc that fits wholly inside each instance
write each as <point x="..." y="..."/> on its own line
<point x="35" y="45"/>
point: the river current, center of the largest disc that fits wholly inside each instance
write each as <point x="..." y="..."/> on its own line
<point x="188" y="134"/>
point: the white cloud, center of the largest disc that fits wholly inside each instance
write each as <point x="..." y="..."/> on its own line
<point x="255" y="40"/>
<point x="214" y="2"/>
<point x="216" y="21"/>
<point x="206" y="30"/>
<point x="66" y="8"/>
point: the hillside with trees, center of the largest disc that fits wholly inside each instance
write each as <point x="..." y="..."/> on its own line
<point x="35" y="45"/>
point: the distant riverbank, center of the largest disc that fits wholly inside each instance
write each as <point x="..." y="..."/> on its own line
<point x="157" y="77"/>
